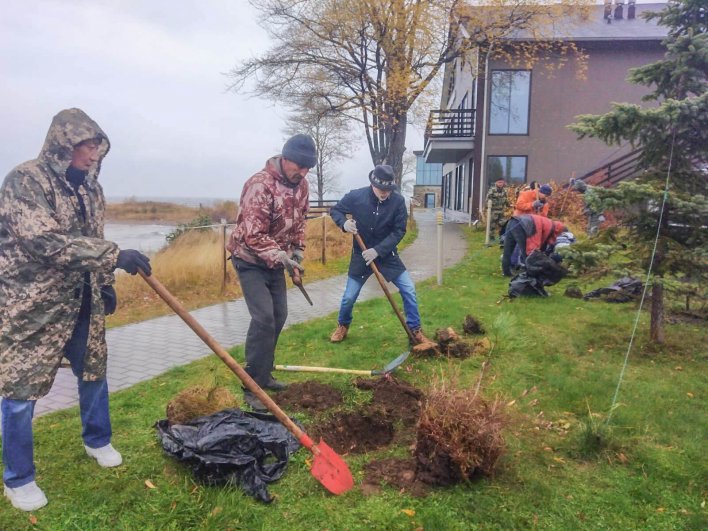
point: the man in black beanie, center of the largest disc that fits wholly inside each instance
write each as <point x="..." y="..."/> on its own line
<point x="269" y="239"/>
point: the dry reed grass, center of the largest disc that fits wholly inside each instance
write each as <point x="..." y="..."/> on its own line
<point x="131" y="210"/>
<point x="191" y="268"/>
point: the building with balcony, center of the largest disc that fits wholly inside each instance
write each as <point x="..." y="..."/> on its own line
<point x="501" y="121"/>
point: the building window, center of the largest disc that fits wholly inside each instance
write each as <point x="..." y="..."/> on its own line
<point x="511" y="169"/>
<point x="427" y="174"/>
<point x="509" y="102"/>
<point x="447" y="182"/>
<point x="459" y="187"/>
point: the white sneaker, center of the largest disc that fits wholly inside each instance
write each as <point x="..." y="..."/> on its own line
<point x="107" y="456"/>
<point x="27" y="497"/>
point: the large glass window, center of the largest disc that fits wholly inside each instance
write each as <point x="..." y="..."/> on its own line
<point x="459" y="186"/>
<point x="511" y="169"/>
<point x="509" y="102"/>
<point x="427" y="174"/>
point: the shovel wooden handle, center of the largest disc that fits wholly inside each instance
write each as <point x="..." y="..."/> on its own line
<point x="382" y="283"/>
<point x="306" y="368"/>
<point x="231" y="363"/>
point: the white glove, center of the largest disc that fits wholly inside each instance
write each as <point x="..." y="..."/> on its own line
<point x="369" y="255"/>
<point x="350" y="226"/>
<point x="289" y="264"/>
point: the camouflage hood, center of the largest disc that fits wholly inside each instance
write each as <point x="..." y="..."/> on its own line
<point x="69" y="128"/>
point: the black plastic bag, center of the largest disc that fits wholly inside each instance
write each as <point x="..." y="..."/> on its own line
<point x="539" y="265"/>
<point x="231" y="447"/>
<point x="524" y="285"/>
<point x="626" y="289"/>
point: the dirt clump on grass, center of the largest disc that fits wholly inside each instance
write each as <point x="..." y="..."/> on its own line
<point x="199" y="401"/>
<point x="450" y="344"/>
<point x="356" y="433"/>
<point x="472" y="326"/>
<point x="309" y="396"/>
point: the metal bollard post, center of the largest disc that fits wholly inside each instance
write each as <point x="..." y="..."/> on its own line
<point x="440" y="247"/>
<point x="489" y="222"/>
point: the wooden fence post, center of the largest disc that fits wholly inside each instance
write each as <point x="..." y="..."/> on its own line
<point x="223" y="255"/>
<point x="324" y="237"/>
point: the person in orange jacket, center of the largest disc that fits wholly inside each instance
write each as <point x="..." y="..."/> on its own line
<point x="529" y="232"/>
<point x="534" y="201"/>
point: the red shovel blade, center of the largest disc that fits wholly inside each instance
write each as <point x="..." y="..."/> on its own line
<point x="330" y="469"/>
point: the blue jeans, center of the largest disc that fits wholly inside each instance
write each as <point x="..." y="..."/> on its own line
<point x="17" y="439"/>
<point x="405" y="285"/>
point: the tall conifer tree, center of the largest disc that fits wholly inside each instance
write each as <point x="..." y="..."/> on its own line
<point x="673" y="137"/>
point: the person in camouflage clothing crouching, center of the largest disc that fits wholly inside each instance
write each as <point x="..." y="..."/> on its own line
<point x="500" y="202"/>
<point x="269" y="238"/>
<point x="56" y="276"/>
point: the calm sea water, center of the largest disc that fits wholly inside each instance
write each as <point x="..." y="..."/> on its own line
<point x="144" y="238"/>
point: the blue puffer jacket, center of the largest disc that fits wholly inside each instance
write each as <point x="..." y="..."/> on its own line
<point x="381" y="224"/>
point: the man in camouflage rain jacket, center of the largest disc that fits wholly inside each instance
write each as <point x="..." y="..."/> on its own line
<point x="500" y="202"/>
<point x="56" y="271"/>
<point x="269" y="238"/>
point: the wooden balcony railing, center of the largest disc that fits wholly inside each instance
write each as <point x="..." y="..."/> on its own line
<point x="450" y="123"/>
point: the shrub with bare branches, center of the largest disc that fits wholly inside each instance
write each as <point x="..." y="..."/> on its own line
<point x="459" y="434"/>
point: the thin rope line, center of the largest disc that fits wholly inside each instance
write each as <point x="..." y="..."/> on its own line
<point x="646" y="283"/>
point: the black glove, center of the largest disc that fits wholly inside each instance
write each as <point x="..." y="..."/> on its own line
<point x="132" y="260"/>
<point x="110" y="300"/>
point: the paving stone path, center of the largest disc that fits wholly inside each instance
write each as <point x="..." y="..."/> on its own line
<point x="141" y="351"/>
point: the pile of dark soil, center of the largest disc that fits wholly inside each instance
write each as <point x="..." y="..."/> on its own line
<point x="355" y="432"/>
<point x="309" y="396"/>
<point x="396" y="399"/>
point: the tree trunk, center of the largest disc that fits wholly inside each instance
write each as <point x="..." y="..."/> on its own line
<point x="656" y="331"/>
<point x="397" y="146"/>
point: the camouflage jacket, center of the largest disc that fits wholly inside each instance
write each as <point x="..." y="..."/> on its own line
<point x="271" y="217"/>
<point x="46" y="248"/>
<point x="499" y="199"/>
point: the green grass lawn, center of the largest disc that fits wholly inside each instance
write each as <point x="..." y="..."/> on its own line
<point x="558" y="359"/>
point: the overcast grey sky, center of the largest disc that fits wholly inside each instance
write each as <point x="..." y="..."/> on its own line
<point x="151" y="74"/>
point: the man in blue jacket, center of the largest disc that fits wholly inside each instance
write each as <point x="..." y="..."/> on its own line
<point x="378" y="214"/>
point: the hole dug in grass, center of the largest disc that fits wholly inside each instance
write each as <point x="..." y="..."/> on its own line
<point x="309" y="396"/>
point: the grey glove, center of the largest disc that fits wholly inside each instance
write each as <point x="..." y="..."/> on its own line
<point x="289" y="263"/>
<point x="369" y="255"/>
<point x="350" y="226"/>
<point x="537" y="205"/>
<point x="298" y="255"/>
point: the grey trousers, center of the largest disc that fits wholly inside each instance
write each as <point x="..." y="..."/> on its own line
<point x="265" y="294"/>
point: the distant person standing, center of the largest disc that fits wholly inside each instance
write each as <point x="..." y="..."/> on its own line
<point x="500" y="202"/>
<point x="378" y="213"/>
<point x="534" y="201"/>
<point x="55" y="291"/>
<point x="269" y="239"/>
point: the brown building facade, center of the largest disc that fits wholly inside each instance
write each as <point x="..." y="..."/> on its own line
<point x="511" y="123"/>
